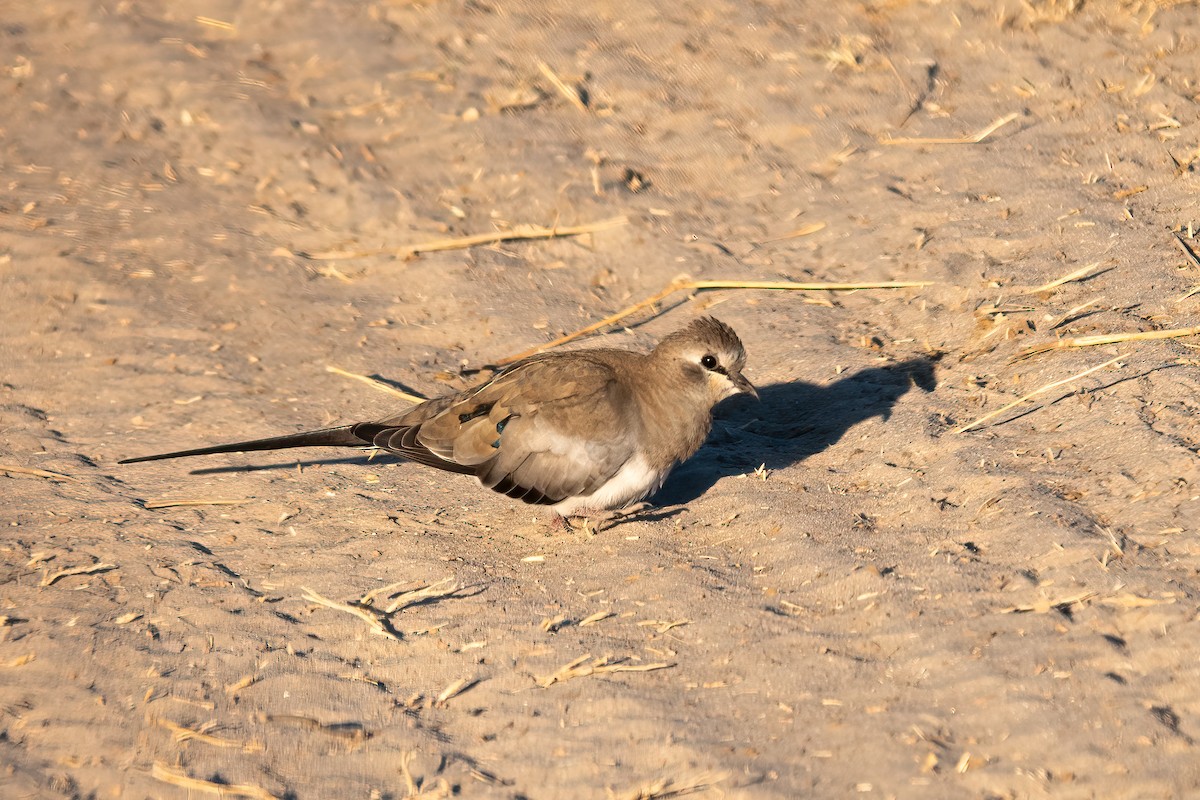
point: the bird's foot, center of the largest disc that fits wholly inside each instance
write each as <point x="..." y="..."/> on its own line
<point x="592" y="521"/>
<point x="581" y="520"/>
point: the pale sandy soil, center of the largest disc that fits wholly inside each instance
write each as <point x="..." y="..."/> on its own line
<point x="887" y="609"/>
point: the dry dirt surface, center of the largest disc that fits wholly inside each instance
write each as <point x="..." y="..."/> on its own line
<point x="205" y="205"/>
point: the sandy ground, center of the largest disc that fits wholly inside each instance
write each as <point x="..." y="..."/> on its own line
<point x="887" y="608"/>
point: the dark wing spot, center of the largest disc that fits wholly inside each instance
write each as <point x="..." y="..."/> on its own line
<point x="479" y="411"/>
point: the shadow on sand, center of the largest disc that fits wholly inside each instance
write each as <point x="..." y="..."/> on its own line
<point x="791" y="422"/>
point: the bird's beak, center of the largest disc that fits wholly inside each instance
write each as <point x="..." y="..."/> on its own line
<point x="744" y="386"/>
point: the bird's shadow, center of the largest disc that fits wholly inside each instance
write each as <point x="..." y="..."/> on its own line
<point x="790" y="422"/>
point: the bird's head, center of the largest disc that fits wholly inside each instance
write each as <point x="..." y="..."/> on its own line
<point x="710" y="355"/>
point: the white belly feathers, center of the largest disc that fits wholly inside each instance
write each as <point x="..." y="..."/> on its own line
<point x="634" y="481"/>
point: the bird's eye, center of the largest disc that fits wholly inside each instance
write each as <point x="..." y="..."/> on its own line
<point x="709" y="361"/>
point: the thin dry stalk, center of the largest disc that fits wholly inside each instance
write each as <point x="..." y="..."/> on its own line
<point x="804" y="230"/>
<point x="1070" y="315"/>
<point x="1034" y="393"/>
<point x="464" y="242"/>
<point x="1127" y="600"/>
<point x="687" y="284"/>
<point x="175" y="777"/>
<point x="432" y="591"/>
<point x="1187" y="251"/>
<point x="580" y="668"/>
<point x="185" y="734"/>
<point x="241" y="683"/>
<point x="671" y="787"/>
<point x="374" y="384"/>
<point x="373" y="617"/>
<point x="454" y="690"/>
<point x="368" y="599"/>
<point x="1077" y="275"/>
<point x="88" y="569"/>
<point x="207" y="705"/>
<point x="973" y="139"/>
<point x="153" y="504"/>
<point x="1045" y="604"/>
<point x="1190" y="292"/>
<point x="37" y="473"/>
<point x="574" y="669"/>
<point x="216" y="23"/>
<point x="1107" y="338"/>
<point x="566" y="91"/>
<point x="663" y="625"/>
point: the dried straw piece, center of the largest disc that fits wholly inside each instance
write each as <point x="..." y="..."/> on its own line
<point x="37" y="473"/>
<point x="663" y="625"/>
<point x="368" y="599"/>
<point x="671" y="787"/>
<point x="464" y="242"/>
<point x="87" y="569"/>
<point x="175" y="777"/>
<point x="374" y="384"/>
<point x="431" y="591"/>
<point x="562" y="88"/>
<point x="1070" y="315"/>
<point x="1034" y="393"/>
<point x="373" y="617"/>
<point x="574" y="669"/>
<point x="216" y="23"/>
<point x="153" y="504"/>
<point x="580" y="668"/>
<point x="685" y="283"/>
<point x="1077" y="275"/>
<point x="454" y="690"/>
<point x="1128" y="600"/>
<point x="207" y="705"/>
<point x="1045" y="604"/>
<point x="1187" y="251"/>
<point x="1107" y="338"/>
<point x="380" y="619"/>
<point x="184" y="734"/>
<point x="241" y="683"/>
<point x="803" y="230"/>
<point x="1124" y="194"/>
<point x="973" y="139"/>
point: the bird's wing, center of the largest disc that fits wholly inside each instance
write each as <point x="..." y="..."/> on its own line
<point x="398" y="434"/>
<point x="544" y="430"/>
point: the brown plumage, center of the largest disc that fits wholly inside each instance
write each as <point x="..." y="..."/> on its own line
<point x="585" y="430"/>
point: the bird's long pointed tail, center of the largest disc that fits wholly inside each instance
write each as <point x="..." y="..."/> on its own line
<point x="327" y="437"/>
